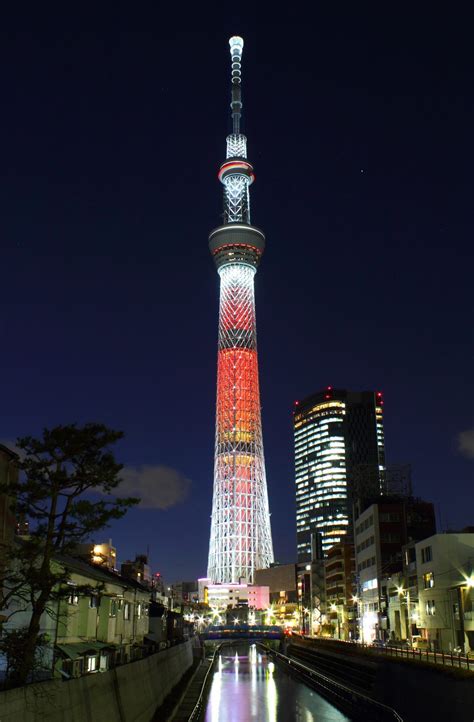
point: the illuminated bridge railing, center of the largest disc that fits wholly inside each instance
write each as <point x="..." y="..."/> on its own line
<point x="243" y="631"/>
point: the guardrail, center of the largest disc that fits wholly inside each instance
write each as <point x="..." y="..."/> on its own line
<point x="444" y="658"/>
<point x="199" y="706"/>
<point x="448" y="659"/>
<point x="347" y="697"/>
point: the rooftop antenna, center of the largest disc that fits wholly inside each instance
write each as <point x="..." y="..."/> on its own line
<point x="236" y="47"/>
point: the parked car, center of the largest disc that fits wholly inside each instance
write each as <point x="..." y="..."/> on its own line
<point x="399" y="643"/>
<point x="421" y="644"/>
<point x="378" y="643"/>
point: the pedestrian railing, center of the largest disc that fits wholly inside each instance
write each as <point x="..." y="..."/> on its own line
<point x="198" y="710"/>
<point x="448" y="659"/>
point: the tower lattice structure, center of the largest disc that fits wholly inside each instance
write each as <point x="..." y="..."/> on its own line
<point x="240" y="527"/>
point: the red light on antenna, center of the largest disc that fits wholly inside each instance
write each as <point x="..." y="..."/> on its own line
<point x="296" y="403"/>
<point x="379" y="393"/>
<point x="329" y="388"/>
<point x="327" y="396"/>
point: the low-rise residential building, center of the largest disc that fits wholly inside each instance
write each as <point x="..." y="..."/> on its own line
<point x="101" y="621"/>
<point x="102" y="554"/>
<point x="445" y="570"/>
<point x="185" y="592"/>
<point x="138" y="569"/>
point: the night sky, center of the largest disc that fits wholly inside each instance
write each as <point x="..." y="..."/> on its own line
<point x="360" y="128"/>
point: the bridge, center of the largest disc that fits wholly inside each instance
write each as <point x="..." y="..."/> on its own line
<point x="242" y="631"/>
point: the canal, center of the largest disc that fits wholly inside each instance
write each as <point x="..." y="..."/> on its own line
<point x="248" y="686"/>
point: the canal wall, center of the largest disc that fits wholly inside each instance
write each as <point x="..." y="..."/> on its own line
<point x="417" y="691"/>
<point x="129" y="693"/>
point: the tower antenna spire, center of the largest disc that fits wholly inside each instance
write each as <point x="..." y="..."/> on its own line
<point x="236" y="47"/>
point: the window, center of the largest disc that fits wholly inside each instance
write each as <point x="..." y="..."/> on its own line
<point x="370" y="584"/>
<point x="126" y="610"/>
<point x="367" y="543"/>
<point x="426" y="555"/>
<point x="390" y="538"/>
<point x="428" y="580"/>
<point x="386" y="516"/>
<point x="139" y="610"/>
<point x="113" y="608"/>
<point x="73" y="598"/>
<point x="91" y="664"/>
<point x="430" y="607"/>
<point x="94" y="601"/>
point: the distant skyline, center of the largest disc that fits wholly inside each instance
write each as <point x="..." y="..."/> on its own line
<point x="360" y="130"/>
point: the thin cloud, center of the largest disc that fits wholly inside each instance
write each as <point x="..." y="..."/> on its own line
<point x="466" y="443"/>
<point x="158" y="487"/>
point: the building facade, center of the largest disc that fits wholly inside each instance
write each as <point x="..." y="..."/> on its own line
<point x="380" y="532"/>
<point x="445" y="571"/>
<point x="102" y="554"/>
<point x="222" y="596"/>
<point x="185" y="592"/>
<point x="282" y="582"/>
<point x="240" y="539"/>
<point x="341" y="591"/>
<point x="101" y="620"/>
<point x="335" y="433"/>
<point x="139" y="570"/>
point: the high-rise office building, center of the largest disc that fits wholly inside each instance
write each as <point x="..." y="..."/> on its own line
<point x="337" y="432"/>
<point x="240" y="524"/>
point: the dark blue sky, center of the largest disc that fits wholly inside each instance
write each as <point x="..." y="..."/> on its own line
<point x="360" y="130"/>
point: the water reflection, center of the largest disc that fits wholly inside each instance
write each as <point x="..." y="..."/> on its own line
<point x="248" y="686"/>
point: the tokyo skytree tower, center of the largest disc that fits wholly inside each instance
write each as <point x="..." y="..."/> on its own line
<point x="240" y="528"/>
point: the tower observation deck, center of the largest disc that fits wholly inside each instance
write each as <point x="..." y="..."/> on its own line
<point x="240" y="524"/>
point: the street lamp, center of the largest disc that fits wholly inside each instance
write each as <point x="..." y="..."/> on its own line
<point x="402" y="592"/>
<point x="468" y="584"/>
<point x="334" y="608"/>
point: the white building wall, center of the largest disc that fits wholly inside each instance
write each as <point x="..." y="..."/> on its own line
<point x="450" y="561"/>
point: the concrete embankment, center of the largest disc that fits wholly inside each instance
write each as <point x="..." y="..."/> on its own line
<point x="130" y="693"/>
<point x="417" y="691"/>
